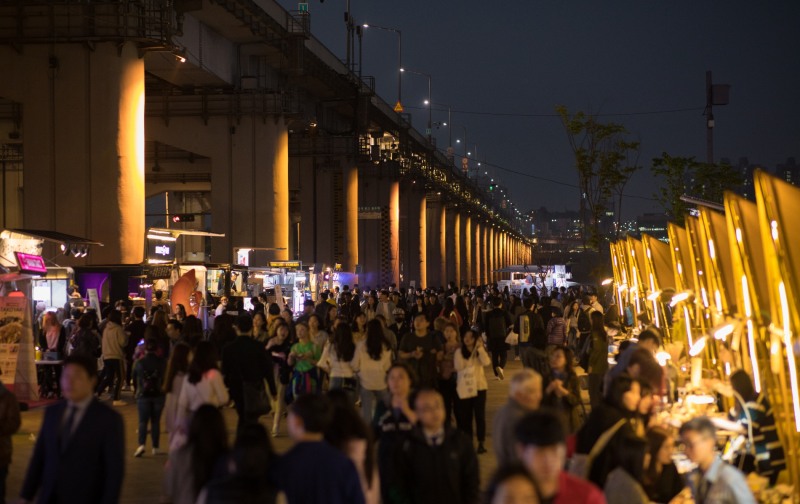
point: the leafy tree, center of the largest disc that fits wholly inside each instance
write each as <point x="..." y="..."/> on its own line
<point x="674" y="172"/>
<point x="685" y="176"/>
<point x="605" y="161"/>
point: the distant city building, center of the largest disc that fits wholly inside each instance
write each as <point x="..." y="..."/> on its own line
<point x="653" y="224"/>
<point x="789" y="171"/>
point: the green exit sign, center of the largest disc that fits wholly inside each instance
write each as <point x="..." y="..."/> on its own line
<point x="302" y="6"/>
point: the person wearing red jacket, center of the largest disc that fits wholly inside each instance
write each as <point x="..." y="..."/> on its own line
<point x="542" y="449"/>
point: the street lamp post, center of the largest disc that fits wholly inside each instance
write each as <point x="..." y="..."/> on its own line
<point x="429" y="101"/>
<point x="399" y="57"/>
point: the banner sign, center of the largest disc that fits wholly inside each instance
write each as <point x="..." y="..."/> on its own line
<point x="12" y="318"/>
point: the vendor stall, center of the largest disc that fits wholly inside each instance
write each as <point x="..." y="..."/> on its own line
<point x="727" y="298"/>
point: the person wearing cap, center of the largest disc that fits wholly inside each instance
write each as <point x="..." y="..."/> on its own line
<point x="399" y="327"/>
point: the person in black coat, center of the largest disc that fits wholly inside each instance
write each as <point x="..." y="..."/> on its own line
<point x="245" y="360"/>
<point x="435" y="464"/>
<point x="79" y="453"/>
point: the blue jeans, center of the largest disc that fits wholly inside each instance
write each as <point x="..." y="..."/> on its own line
<point x="150" y="409"/>
<point x="369" y="399"/>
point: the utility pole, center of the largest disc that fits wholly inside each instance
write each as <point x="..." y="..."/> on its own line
<point x="716" y="94"/>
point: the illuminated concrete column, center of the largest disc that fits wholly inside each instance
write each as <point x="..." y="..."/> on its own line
<point x="394" y="219"/>
<point x="423" y="242"/>
<point x="350" y="185"/>
<point x="83" y="129"/>
<point x="476" y="253"/>
<point x="485" y="261"/>
<point x="435" y="251"/>
<point x="467" y="239"/>
<point x="442" y="245"/>
<point x="453" y="246"/>
<point x="492" y="257"/>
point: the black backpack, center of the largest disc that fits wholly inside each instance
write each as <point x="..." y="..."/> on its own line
<point x="151" y="382"/>
<point x="584" y="321"/>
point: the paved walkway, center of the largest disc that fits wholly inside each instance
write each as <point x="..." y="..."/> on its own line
<point x="144" y="476"/>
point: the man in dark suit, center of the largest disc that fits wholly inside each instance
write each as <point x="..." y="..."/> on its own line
<point x="79" y="454"/>
<point x="245" y="363"/>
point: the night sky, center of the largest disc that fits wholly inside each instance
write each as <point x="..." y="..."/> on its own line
<point x="611" y="57"/>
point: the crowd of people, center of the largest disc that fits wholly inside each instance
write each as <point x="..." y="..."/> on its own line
<point x="384" y="394"/>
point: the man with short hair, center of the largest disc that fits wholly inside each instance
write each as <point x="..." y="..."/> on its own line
<point x="421" y="350"/>
<point x="135" y="330"/>
<point x="79" y="453"/>
<point x="385" y="306"/>
<point x="174" y="328"/>
<point x="542" y="449"/>
<point x="435" y="464"/>
<point x="532" y="337"/>
<point x="245" y="366"/>
<point x="312" y="471"/>
<point x="713" y="481"/>
<point x="524" y="396"/>
<point x="308" y="310"/>
<point x="495" y="323"/>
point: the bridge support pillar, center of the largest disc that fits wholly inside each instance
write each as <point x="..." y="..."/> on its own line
<point x="83" y="117"/>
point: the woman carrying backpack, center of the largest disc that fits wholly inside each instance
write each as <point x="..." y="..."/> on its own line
<point x="148" y="376"/>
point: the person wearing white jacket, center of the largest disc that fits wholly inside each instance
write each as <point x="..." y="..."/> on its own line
<point x="373" y="359"/>
<point x="471" y="386"/>
<point x="338" y="358"/>
<point x="203" y="385"/>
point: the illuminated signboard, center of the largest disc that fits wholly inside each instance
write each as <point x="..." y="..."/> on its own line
<point x="286" y="264"/>
<point x="160" y="251"/>
<point x="29" y="263"/>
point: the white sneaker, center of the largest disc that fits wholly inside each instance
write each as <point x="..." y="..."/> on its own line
<point x="155" y="451"/>
<point x="120" y="403"/>
<point x="139" y="452"/>
<point x="500" y="373"/>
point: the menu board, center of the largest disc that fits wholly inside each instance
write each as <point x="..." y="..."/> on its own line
<point x="12" y="317"/>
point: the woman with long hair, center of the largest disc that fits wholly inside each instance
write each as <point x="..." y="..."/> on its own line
<point x="370" y="307"/>
<point x="279" y="347"/>
<point x="53" y="337"/>
<point x="394" y="420"/>
<point x="177" y="367"/>
<point x="450" y="313"/>
<point x="351" y="434"/>
<point x="260" y="333"/>
<point x="373" y="359"/>
<point x="338" y="360"/>
<point x="192" y="331"/>
<point x="598" y="359"/>
<point x="447" y="372"/>
<point x="201" y="459"/>
<point x="617" y="411"/>
<point x="662" y="482"/>
<point x="203" y="385"/>
<point x="470" y="360"/>
<point x="571" y="317"/>
<point x="562" y="389"/>
<point x="359" y="328"/>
